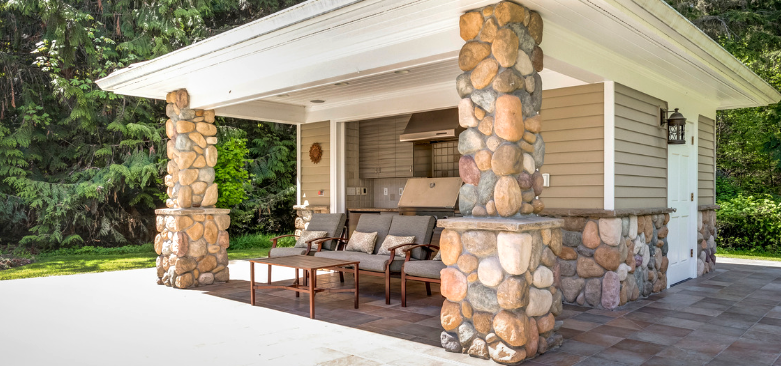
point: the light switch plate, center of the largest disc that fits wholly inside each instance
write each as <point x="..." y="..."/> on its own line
<point x="545" y="180"/>
<point x="385" y="191"/>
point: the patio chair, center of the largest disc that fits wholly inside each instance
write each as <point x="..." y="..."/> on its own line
<point x="384" y="265"/>
<point x="426" y="271"/>
<point x="332" y="223"/>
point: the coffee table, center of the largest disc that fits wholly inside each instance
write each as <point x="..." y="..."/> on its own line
<point x="310" y="265"/>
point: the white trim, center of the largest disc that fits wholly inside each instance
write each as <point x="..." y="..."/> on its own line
<point x="335" y="143"/>
<point x="341" y="191"/>
<point x="263" y="110"/>
<point x="298" y="165"/>
<point x="610" y="146"/>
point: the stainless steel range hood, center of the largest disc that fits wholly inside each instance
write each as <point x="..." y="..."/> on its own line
<point x="441" y="125"/>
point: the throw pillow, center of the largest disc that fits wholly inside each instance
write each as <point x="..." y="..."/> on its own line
<point x="392" y="241"/>
<point x="438" y="257"/>
<point x="362" y="242"/>
<point x="309" y="235"/>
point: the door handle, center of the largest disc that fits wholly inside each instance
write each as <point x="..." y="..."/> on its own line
<point x="692" y="197"/>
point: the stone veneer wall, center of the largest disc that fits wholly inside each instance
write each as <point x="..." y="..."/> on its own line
<point x="607" y="262"/>
<point x="501" y="300"/>
<point x="304" y="215"/>
<point x="502" y="94"/>
<point x="192" y="239"/>
<point x="706" y="239"/>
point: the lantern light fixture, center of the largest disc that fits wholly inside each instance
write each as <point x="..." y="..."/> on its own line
<point x="676" y="127"/>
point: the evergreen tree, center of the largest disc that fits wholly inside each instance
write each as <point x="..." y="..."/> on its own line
<point x="78" y="164"/>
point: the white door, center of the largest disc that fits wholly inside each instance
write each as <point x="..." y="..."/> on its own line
<point x="682" y="179"/>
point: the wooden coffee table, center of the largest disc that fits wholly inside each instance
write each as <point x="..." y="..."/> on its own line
<point x="310" y="265"/>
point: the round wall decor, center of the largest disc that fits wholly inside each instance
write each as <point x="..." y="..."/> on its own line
<point x="315" y="153"/>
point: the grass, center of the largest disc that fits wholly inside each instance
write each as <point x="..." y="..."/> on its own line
<point x="748" y="254"/>
<point x="91" y="259"/>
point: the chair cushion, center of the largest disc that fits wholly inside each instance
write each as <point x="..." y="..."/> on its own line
<point x="428" y="269"/>
<point x="333" y="223"/>
<point x="422" y="227"/>
<point x="361" y="242"/>
<point x="369" y="262"/>
<point x="375" y="223"/>
<point x="288" y="251"/>
<point x="308" y="235"/>
<point x="392" y="241"/>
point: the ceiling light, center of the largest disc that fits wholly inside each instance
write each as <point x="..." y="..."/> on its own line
<point x="318" y="101"/>
<point x="401" y="72"/>
<point x="342" y="83"/>
<point x="283" y="95"/>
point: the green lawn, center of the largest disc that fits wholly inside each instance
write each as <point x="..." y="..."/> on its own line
<point x="247" y="246"/>
<point x="746" y="254"/>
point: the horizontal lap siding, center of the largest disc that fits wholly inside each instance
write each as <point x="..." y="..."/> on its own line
<point x="706" y="159"/>
<point x="315" y="177"/>
<point x="573" y="130"/>
<point x="640" y="152"/>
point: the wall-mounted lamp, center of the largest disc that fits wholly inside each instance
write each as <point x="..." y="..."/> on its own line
<point x="676" y="127"/>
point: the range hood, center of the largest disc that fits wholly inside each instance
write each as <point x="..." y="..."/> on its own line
<point x="441" y="125"/>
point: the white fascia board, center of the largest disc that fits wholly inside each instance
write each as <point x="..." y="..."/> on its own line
<point x="256" y="29"/>
<point x="665" y="22"/>
<point x="262" y="110"/>
<point x="610" y="146"/>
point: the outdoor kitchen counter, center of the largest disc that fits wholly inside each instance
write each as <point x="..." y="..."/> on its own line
<point x="373" y="209"/>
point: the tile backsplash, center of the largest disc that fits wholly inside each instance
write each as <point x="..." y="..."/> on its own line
<point x="391" y="200"/>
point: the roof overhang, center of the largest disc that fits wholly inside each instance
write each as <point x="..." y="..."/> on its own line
<point x="271" y="69"/>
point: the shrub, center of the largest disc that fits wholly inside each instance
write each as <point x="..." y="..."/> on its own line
<point x="750" y="223"/>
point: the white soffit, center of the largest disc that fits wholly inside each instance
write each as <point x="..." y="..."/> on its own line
<point x="302" y="51"/>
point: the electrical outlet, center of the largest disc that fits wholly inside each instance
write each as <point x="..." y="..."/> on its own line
<point x="545" y="180"/>
<point x="363" y="191"/>
<point x="385" y="191"/>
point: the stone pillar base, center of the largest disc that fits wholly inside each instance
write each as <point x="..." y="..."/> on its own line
<point x="304" y="215"/>
<point x="706" y="239"/>
<point x="192" y="246"/>
<point x="501" y="298"/>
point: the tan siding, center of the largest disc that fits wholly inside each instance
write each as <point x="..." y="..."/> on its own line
<point x="706" y="161"/>
<point x="641" y="151"/>
<point x="573" y="130"/>
<point x="315" y="177"/>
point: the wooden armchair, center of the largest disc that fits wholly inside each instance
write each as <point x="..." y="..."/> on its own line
<point x="420" y="270"/>
<point x="332" y="223"/>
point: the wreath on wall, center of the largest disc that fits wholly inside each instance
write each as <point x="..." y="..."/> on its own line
<point x="315" y="153"/>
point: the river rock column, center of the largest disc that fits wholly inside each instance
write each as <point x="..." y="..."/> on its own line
<point x="500" y="287"/>
<point x="192" y="240"/>
<point x="502" y="94"/>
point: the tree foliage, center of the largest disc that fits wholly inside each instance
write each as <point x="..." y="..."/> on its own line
<point x="79" y="165"/>
<point x="749" y="140"/>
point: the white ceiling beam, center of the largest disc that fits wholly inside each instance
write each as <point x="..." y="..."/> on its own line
<point x="262" y="110"/>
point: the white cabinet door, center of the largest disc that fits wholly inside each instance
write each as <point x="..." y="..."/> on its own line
<point x="682" y="179"/>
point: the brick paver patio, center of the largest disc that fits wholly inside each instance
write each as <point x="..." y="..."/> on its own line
<point x="729" y="317"/>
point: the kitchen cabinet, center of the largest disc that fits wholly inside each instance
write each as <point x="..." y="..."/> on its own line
<point x="381" y="154"/>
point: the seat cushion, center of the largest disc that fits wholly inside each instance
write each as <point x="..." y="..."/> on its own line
<point x="421" y="227"/>
<point x="308" y="235"/>
<point x="428" y="269"/>
<point x="286" y="252"/>
<point x="333" y="223"/>
<point x="379" y="224"/>
<point x="368" y="262"/>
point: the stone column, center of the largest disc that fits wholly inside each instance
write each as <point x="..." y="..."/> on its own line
<point x="706" y="239"/>
<point x="502" y="93"/>
<point x="192" y="239"/>
<point x="501" y="298"/>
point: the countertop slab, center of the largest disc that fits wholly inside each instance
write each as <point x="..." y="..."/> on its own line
<point x="373" y="209"/>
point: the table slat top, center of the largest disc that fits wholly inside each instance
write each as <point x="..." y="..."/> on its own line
<point x="303" y="262"/>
